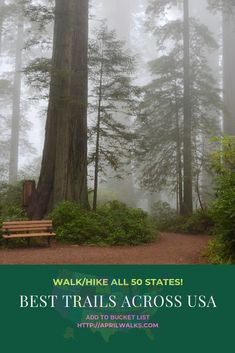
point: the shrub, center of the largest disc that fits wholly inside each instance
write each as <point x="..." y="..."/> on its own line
<point x="10" y="205"/>
<point x="164" y="215"/>
<point x="217" y="252"/>
<point x="10" y="213"/>
<point x="200" y="222"/>
<point x="223" y="210"/>
<point x="112" y="224"/>
<point x="167" y="219"/>
<point x="10" y="195"/>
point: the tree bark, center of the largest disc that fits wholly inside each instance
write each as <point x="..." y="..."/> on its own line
<point x="97" y="148"/>
<point x="79" y="101"/>
<point x="49" y="191"/>
<point x="16" y="111"/>
<point x="63" y="173"/>
<point x="178" y="156"/>
<point x="188" y="192"/>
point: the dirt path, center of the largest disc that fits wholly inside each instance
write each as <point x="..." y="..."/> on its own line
<point x="169" y="249"/>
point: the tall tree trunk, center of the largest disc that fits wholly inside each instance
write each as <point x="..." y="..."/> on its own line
<point x="79" y="102"/>
<point x="16" y="111"/>
<point x="64" y="166"/>
<point x="97" y="148"/>
<point x="188" y="192"/>
<point x="229" y="72"/>
<point x="179" y="157"/>
<point x="48" y="191"/>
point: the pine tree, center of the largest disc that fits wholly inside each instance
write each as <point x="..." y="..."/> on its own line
<point x="168" y="102"/>
<point x="111" y="68"/>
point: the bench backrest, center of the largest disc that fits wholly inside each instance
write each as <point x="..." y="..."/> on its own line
<point x="26" y="226"/>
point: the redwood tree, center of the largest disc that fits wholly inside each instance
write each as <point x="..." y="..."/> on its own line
<point x="64" y="165"/>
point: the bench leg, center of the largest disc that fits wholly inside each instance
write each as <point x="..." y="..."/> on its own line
<point x="49" y="241"/>
<point x="28" y="241"/>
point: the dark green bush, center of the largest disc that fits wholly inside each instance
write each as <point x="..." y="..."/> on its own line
<point x="224" y="215"/>
<point x="10" y="206"/>
<point x="217" y="252"/>
<point x="112" y="224"/>
<point x="10" y="213"/>
<point x="10" y="195"/>
<point x="164" y="216"/>
<point x="167" y="219"/>
<point x="200" y="222"/>
<point x="223" y="210"/>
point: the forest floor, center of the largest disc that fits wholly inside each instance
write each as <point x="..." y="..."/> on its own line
<point x="169" y="249"/>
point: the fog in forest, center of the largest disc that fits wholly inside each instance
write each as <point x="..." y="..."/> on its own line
<point x="161" y="88"/>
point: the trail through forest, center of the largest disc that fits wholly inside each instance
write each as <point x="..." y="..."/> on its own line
<point x="169" y="249"/>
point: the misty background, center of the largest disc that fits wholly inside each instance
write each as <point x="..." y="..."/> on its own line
<point x="147" y="169"/>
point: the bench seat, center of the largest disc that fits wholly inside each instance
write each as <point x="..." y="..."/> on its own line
<point x="28" y="229"/>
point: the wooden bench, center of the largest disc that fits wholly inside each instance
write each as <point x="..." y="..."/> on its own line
<point x="28" y="229"/>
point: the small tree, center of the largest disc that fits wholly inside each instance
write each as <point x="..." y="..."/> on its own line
<point x="112" y="94"/>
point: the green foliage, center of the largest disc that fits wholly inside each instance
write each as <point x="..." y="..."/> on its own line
<point x="163" y="215"/>
<point x="200" y="222"/>
<point x="112" y="224"/>
<point x="223" y="210"/>
<point x="40" y="14"/>
<point x="160" y="122"/>
<point x="11" y="213"/>
<point x="111" y="102"/>
<point x="37" y="75"/>
<point x="10" y="205"/>
<point x="217" y="252"/>
<point x="10" y="195"/>
<point x="167" y="219"/>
